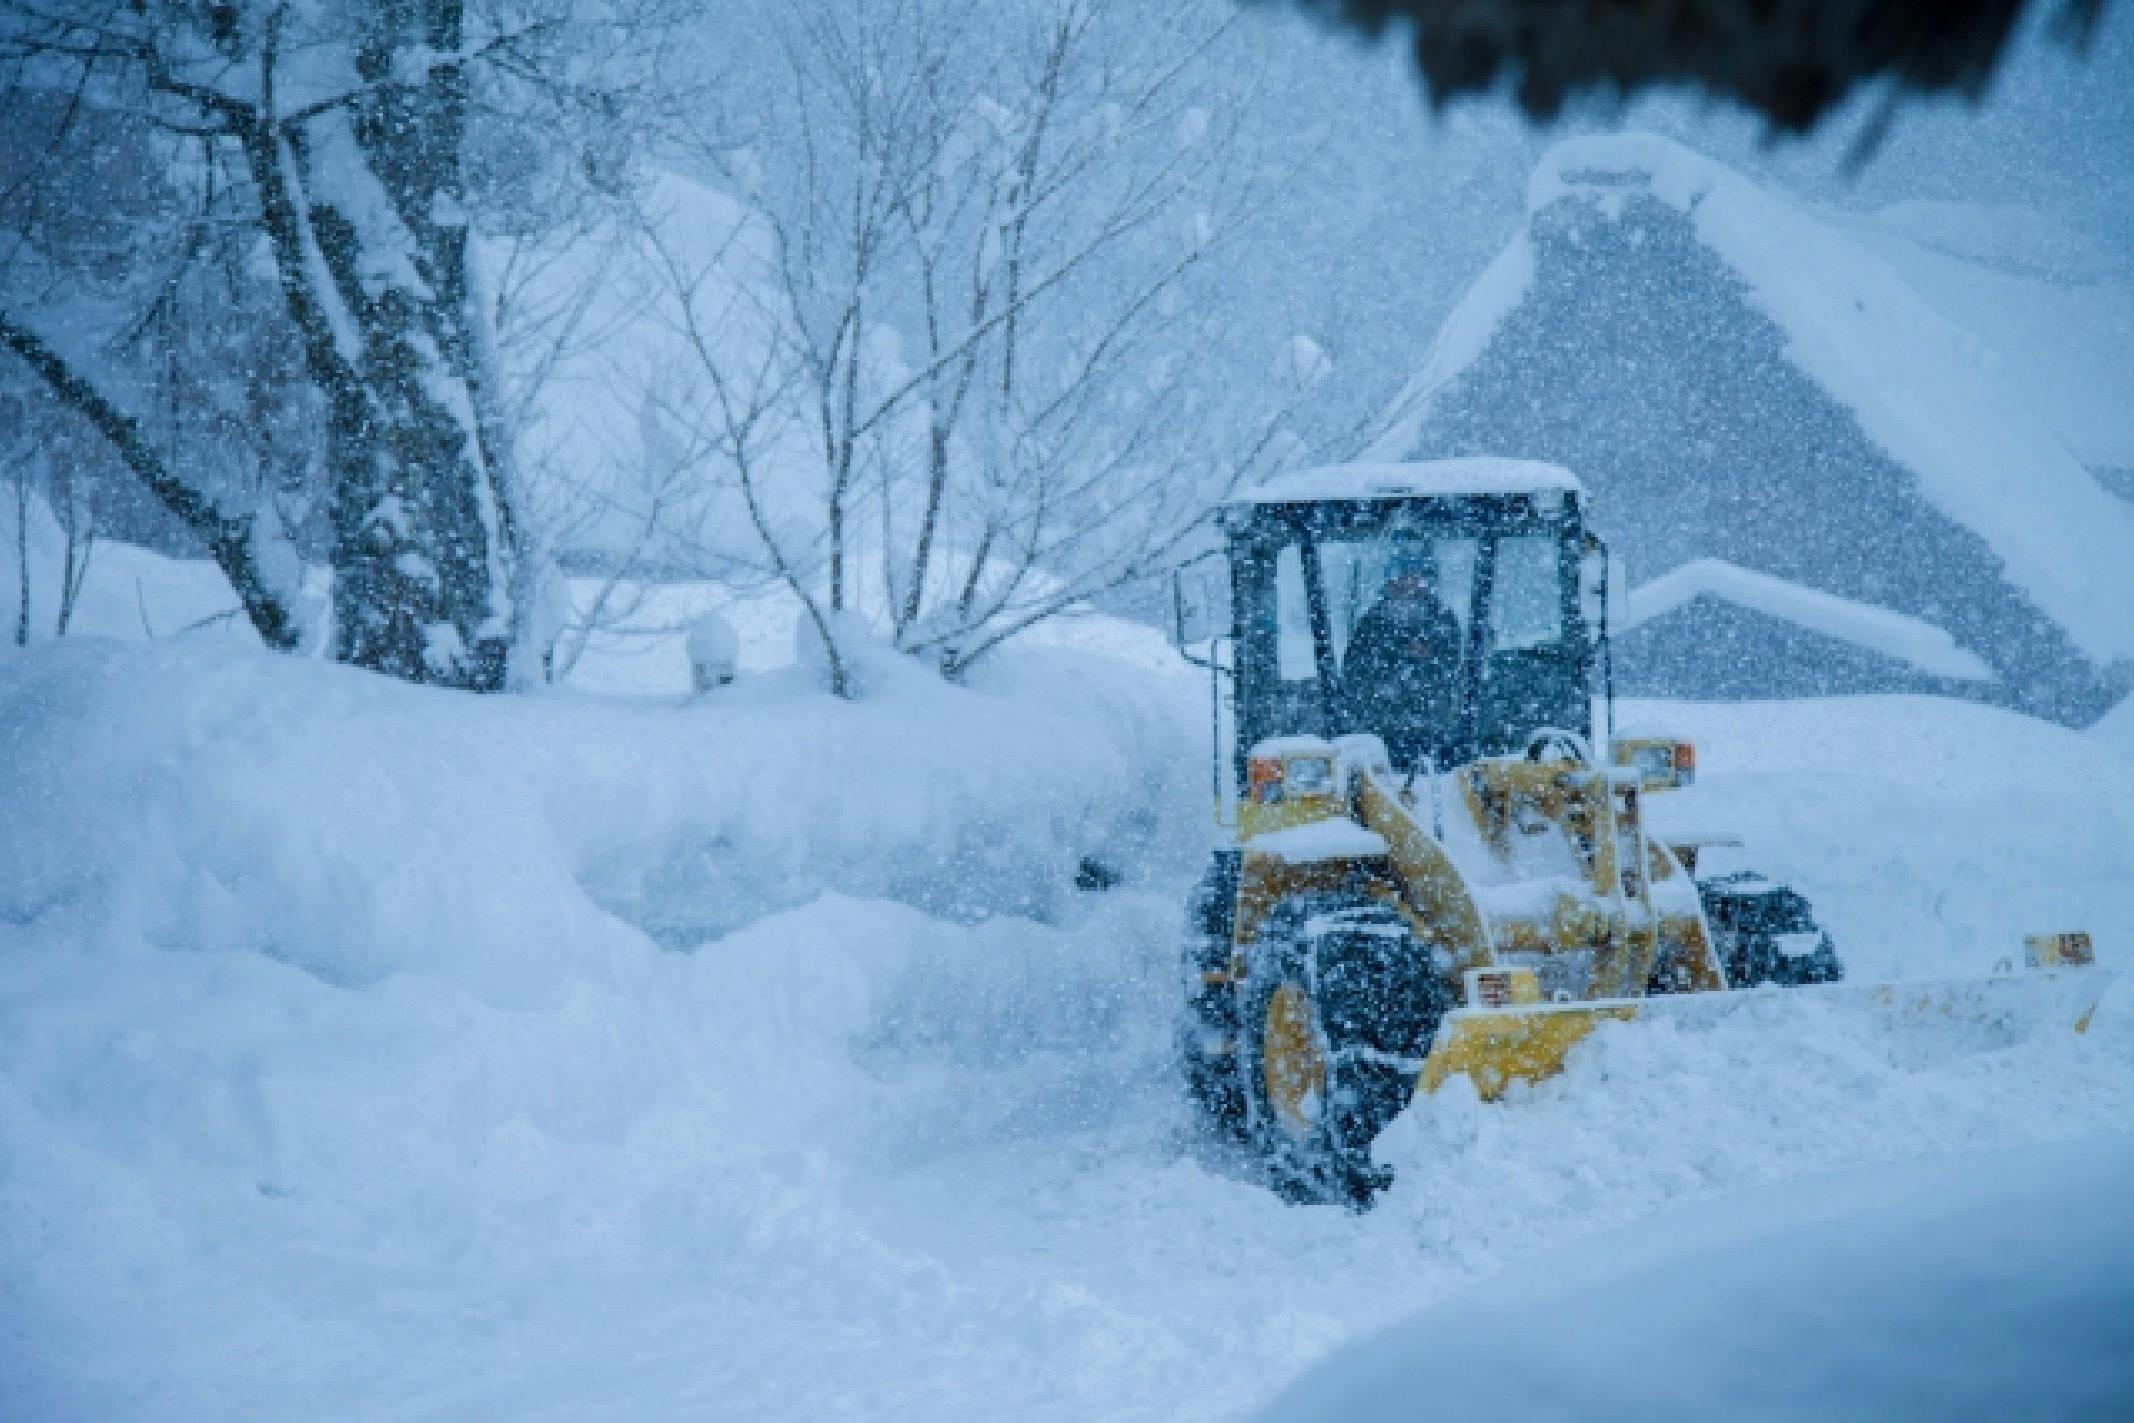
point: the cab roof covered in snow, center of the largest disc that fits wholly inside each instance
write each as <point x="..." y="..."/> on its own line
<point x="1422" y="479"/>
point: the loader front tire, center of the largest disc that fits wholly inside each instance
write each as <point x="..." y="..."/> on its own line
<point x="1337" y="1011"/>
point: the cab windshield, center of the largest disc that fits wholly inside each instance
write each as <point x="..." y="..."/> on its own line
<point x="1526" y="607"/>
<point x="1448" y="637"/>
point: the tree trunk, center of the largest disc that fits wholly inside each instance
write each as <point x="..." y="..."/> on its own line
<point x="421" y="532"/>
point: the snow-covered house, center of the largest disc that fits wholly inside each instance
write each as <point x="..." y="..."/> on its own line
<point x="1819" y="482"/>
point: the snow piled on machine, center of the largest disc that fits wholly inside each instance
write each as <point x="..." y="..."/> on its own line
<point x="1925" y="390"/>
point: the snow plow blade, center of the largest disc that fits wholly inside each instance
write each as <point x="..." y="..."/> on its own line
<point x="1923" y="1021"/>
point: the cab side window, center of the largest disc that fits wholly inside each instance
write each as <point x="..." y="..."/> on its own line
<point x="1526" y="603"/>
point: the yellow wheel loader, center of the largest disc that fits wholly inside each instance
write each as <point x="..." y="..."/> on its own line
<point x="1441" y="865"/>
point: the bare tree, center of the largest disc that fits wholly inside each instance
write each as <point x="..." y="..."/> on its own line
<point x="990" y="233"/>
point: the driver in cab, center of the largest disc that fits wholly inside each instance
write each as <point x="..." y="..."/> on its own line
<point x="1400" y="678"/>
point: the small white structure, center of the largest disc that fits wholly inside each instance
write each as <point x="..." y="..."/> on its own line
<point x="714" y="651"/>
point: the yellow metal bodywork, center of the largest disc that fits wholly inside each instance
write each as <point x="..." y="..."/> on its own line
<point x="1517" y="1044"/>
<point x="1256" y="817"/>
<point x="1495" y="1047"/>
<point x="1611" y="914"/>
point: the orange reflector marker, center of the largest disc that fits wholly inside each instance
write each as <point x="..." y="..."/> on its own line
<point x="2072" y="950"/>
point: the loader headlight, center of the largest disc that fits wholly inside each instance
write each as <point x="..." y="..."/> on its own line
<point x="1656" y="763"/>
<point x="1309" y="775"/>
<point x="1276" y="778"/>
<point x="1660" y="765"/>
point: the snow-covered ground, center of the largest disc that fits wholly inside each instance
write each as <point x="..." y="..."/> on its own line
<point x="1987" y="1286"/>
<point x="368" y="1052"/>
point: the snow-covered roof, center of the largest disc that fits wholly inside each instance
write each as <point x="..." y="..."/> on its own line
<point x="1924" y="390"/>
<point x="2056" y="312"/>
<point x="1893" y="634"/>
<point x="1393" y="479"/>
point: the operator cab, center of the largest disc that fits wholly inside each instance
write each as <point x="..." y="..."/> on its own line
<point x="1448" y="607"/>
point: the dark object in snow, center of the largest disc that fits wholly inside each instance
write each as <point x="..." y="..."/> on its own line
<point x="1793" y="61"/>
<point x="1095" y="874"/>
<point x="1206" y="1032"/>
<point x="1767" y="932"/>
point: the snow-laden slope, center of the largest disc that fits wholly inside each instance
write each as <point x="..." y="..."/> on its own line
<point x="2055" y="308"/>
<point x="1924" y="389"/>
<point x="340" y="1076"/>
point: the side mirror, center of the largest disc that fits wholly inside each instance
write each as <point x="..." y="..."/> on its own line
<point x="1196" y="616"/>
<point x="1603" y="587"/>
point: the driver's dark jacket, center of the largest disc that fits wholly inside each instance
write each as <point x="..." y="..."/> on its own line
<point x="1401" y="677"/>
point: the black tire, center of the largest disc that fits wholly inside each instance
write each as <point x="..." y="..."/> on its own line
<point x="1753" y="919"/>
<point x="1373" y="998"/>
<point x="1206" y="1034"/>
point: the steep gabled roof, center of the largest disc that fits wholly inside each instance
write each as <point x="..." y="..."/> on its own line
<point x="1922" y="389"/>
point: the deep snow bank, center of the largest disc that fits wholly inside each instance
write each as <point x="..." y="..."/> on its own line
<point x="186" y="796"/>
<point x="325" y="999"/>
<point x="1931" y="834"/>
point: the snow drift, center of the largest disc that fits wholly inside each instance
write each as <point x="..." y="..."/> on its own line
<point x="183" y="796"/>
<point x="313" y="981"/>
<point x="343" y="1072"/>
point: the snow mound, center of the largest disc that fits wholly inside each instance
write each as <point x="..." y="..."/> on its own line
<point x="1986" y="1287"/>
<point x="1925" y="390"/>
<point x="325" y="998"/>
<point x="1882" y="630"/>
<point x="192" y="796"/>
<point x="1931" y="834"/>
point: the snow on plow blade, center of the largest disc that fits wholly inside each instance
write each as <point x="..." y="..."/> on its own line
<point x="1922" y="1021"/>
